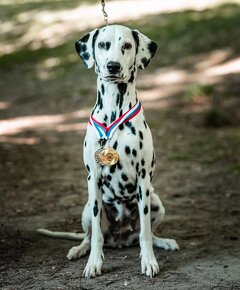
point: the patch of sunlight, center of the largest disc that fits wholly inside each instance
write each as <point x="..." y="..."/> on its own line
<point x="20" y="124"/>
<point x="19" y="140"/>
<point x="214" y="58"/>
<point x="53" y="28"/>
<point x="5" y="105"/>
<point x="163" y="84"/>
<point x="230" y="67"/>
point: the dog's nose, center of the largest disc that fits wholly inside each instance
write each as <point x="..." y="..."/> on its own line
<point x="113" y="67"/>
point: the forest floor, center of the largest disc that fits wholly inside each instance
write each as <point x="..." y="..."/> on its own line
<point x="191" y="97"/>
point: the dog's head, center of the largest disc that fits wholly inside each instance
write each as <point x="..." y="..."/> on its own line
<point x="117" y="51"/>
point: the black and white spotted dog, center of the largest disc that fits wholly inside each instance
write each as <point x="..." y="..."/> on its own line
<point x="122" y="207"/>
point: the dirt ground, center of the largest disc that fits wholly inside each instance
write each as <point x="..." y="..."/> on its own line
<point x="44" y="107"/>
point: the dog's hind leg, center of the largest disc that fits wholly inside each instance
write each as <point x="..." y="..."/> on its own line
<point x="157" y="215"/>
<point x="84" y="247"/>
<point x="79" y="251"/>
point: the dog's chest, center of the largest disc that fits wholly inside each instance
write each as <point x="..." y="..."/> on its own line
<point x="133" y="142"/>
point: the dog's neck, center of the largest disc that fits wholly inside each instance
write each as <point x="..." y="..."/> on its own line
<point x="113" y="100"/>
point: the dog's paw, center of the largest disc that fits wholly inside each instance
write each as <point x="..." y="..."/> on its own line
<point x="77" y="252"/>
<point x="94" y="265"/>
<point x="149" y="264"/>
<point x="166" y="244"/>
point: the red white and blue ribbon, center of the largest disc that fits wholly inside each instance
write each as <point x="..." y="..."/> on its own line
<point x="106" y="133"/>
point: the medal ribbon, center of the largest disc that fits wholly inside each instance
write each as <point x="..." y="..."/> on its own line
<point x="106" y="133"/>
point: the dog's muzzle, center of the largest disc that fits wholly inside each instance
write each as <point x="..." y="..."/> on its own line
<point x="113" y="67"/>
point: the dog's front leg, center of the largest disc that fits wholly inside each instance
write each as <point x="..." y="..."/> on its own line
<point x="95" y="259"/>
<point x="148" y="261"/>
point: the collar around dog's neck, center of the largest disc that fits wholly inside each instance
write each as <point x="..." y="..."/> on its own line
<point x="106" y="133"/>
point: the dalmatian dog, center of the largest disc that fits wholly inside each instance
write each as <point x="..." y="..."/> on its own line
<point x="122" y="208"/>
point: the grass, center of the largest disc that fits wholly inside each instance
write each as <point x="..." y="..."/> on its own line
<point x="196" y="90"/>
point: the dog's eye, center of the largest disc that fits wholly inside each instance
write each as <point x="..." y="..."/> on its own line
<point x="127" y="46"/>
<point x="101" y="44"/>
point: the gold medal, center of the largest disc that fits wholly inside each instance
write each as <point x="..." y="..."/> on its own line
<point x="108" y="156"/>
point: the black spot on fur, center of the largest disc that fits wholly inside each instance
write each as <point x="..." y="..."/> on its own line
<point x="100" y="184"/>
<point x="113" y="117"/>
<point x="122" y="87"/>
<point x="142" y="162"/>
<point x="145" y="124"/>
<point x="147" y="193"/>
<point x="88" y="169"/>
<point x="85" y="143"/>
<point x="137" y="167"/>
<point x="140" y="135"/>
<point x="95" y="208"/>
<point x="131" y="79"/>
<point x="137" y="197"/>
<point x="84" y="47"/>
<point x="102" y="89"/>
<point x="85" y="38"/>
<point x="143" y="173"/>
<point x="130" y="126"/>
<point x="109" y="177"/>
<point x="93" y="42"/>
<point x="124" y="177"/>
<point x="145" y="210"/>
<point x="136" y="38"/>
<point x="110" y="200"/>
<point x="130" y="106"/>
<point x="105" y="118"/>
<point x="140" y="144"/>
<point x="115" y="145"/>
<point x="130" y="187"/>
<point x="89" y="177"/>
<point x="152" y="47"/>
<point x="154" y="208"/>
<point x="132" y="162"/>
<point x="85" y="56"/>
<point x="134" y="152"/>
<point x="119" y="165"/>
<point x="151" y="175"/>
<point x="100" y="101"/>
<point x="121" y="127"/>
<point x="127" y="150"/>
<point x="108" y="44"/>
<point x="140" y="192"/>
<point x="145" y="61"/>
<point x="153" y="160"/>
<point x="106" y="183"/>
<point x="113" y="168"/>
<point x="121" y="186"/>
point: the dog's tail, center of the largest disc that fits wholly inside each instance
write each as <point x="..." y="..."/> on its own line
<point x="61" y="235"/>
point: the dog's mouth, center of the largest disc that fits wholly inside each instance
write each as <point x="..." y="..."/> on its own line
<point x="114" y="79"/>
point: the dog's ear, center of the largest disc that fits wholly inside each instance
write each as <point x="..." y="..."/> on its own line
<point x="145" y="49"/>
<point x="85" y="48"/>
